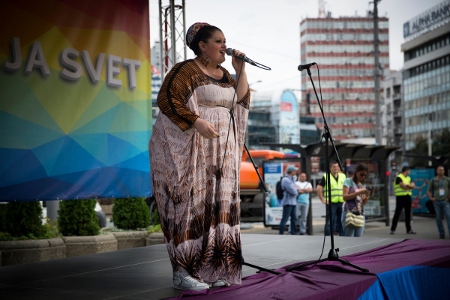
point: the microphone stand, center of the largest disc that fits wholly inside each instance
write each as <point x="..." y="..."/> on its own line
<point x="260" y="179"/>
<point x="333" y="253"/>
<point x="265" y="192"/>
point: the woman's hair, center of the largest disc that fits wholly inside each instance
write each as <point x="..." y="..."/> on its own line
<point x="359" y="168"/>
<point x="203" y="35"/>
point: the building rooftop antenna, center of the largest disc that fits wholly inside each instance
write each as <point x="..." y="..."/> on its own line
<point x="322" y="9"/>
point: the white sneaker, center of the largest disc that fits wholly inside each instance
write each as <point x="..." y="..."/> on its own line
<point x="218" y="283"/>
<point x="183" y="281"/>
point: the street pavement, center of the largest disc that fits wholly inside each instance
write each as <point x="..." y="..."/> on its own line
<point x="424" y="226"/>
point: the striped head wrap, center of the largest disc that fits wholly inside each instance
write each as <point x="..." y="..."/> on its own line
<point x="191" y="36"/>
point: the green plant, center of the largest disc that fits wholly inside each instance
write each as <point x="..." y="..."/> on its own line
<point x="3" y="207"/>
<point x="155" y="228"/>
<point x="51" y="229"/>
<point x="77" y="218"/>
<point x="131" y="213"/>
<point x="23" y="219"/>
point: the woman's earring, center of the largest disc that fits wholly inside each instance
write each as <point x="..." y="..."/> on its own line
<point x="205" y="60"/>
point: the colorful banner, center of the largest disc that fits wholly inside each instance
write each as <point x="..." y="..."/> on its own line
<point x="289" y="129"/>
<point x="75" y="99"/>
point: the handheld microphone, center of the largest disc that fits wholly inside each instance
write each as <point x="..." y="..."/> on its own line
<point x="246" y="59"/>
<point x="230" y="52"/>
<point x="307" y="66"/>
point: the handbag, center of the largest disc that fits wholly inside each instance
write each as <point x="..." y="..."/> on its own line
<point x="354" y="220"/>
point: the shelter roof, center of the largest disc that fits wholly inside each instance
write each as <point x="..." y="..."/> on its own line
<point x="346" y="150"/>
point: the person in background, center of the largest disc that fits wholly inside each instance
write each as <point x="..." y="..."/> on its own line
<point x="349" y="175"/>
<point x="195" y="157"/>
<point x="337" y="182"/>
<point x="304" y="188"/>
<point x="355" y="196"/>
<point x="402" y="189"/>
<point x="289" y="201"/>
<point x="438" y="192"/>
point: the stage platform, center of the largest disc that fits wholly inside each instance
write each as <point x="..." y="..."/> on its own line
<point x="145" y="273"/>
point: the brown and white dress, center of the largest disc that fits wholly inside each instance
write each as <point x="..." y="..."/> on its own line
<point x="196" y="180"/>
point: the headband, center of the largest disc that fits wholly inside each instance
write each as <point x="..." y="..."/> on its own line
<point x="192" y="33"/>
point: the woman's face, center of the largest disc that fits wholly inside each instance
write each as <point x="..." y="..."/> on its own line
<point x="215" y="47"/>
<point x="361" y="175"/>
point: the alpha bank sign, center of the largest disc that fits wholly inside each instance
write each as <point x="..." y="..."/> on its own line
<point x="432" y="17"/>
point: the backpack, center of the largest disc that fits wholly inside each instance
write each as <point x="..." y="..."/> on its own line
<point x="279" y="189"/>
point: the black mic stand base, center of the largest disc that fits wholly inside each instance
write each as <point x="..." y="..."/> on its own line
<point x="332" y="256"/>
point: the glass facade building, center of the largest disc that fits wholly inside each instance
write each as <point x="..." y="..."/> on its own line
<point x="343" y="48"/>
<point x="273" y="118"/>
<point x="426" y="85"/>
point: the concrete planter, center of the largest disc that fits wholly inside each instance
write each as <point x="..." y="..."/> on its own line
<point x="28" y="251"/>
<point x="82" y="245"/>
<point x="130" y="239"/>
<point x="154" y="239"/>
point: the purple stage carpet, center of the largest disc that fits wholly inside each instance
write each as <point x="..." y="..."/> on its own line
<point x="409" y="269"/>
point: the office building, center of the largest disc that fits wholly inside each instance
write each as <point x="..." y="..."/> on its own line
<point x="274" y="118"/>
<point x="343" y="49"/>
<point x="426" y="74"/>
<point x="392" y="109"/>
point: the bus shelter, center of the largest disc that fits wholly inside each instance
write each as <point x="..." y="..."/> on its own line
<point x="377" y="209"/>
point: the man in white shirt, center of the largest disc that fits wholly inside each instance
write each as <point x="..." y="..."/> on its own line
<point x="304" y="188"/>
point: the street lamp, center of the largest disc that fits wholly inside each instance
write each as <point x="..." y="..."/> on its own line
<point x="250" y="85"/>
<point x="258" y="81"/>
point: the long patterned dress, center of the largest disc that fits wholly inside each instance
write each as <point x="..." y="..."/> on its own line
<point x="196" y="180"/>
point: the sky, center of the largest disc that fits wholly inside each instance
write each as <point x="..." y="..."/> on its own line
<point x="268" y="31"/>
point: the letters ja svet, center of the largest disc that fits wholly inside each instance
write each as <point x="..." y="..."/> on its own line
<point x="72" y="69"/>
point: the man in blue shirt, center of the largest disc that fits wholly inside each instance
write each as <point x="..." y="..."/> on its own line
<point x="438" y="192"/>
<point x="289" y="201"/>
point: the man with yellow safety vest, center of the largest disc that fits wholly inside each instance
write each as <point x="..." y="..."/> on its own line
<point x="337" y="182"/>
<point x="402" y="189"/>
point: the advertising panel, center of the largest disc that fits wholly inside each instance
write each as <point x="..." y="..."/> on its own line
<point x="273" y="172"/>
<point x="289" y="120"/>
<point x="421" y="178"/>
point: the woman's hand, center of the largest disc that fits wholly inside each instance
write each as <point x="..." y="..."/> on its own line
<point x="365" y="200"/>
<point x="205" y="129"/>
<point x="363" y="191"/>
<point x="236" y="62"/>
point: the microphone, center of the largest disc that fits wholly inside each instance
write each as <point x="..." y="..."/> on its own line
<point x="229" y="52"/>
<point x="246" y="59"/>
<point x="305" y="67"/>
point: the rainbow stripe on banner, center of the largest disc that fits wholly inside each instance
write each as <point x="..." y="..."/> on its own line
<point x="75" y="99"/>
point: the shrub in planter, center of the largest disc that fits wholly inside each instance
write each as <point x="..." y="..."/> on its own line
<point x="131" y="213"/>
<point x="77" y="218"/>
<point x="23" y="220"/>
<point x="3" y="207"/>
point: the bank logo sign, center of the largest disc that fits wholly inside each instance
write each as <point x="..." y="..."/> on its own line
<point x="432" y="18"/>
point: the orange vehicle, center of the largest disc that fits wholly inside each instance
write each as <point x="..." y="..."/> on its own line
<point x="252" y="194"/>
